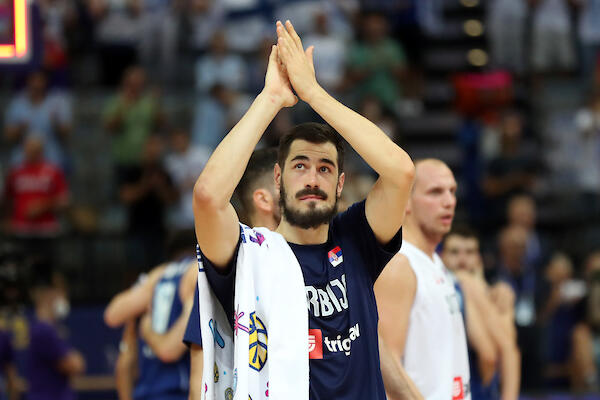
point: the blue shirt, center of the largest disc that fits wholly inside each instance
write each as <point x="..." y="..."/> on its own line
<point x="39" y="119"/>
<point x="158" y="379"/>
<point x="338" y="276"/>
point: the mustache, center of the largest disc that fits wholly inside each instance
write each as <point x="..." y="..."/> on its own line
<point x="311" y="192"/>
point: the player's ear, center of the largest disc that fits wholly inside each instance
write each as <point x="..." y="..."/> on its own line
<point x="277" y="175"/>
<point x="340" y="184"/>
<point x="408" y="208"/>
<point x="263" y="200"/>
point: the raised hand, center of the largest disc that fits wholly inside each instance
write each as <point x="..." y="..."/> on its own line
<point x="298" y="62"/>
<point x="277" y="84"/>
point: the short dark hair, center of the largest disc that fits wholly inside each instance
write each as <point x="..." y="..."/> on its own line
<point x="258" y="173"/>
<point x="463" y="231"/>
<point x="312" y="132"/>
<point x="181" y="241"/>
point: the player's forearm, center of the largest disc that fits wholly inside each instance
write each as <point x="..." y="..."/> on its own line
<point x="398" y="384"/>
<point x="396" y="381"/>
<point x="510" y="372"/>
<point x="124" y="378"/>
<point x="168" y="346"/>
<point x="391" y="162"/>
<point x="125" y="368"/>
<point x="226" y="165"/>
<point x="196" y="369"/>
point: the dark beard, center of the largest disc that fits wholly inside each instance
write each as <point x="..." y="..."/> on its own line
<point x="310" y="219"/>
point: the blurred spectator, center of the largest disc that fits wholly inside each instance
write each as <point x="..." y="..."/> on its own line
<point x="552" y="43"/>
<point x="204" y="18"/>
<point x="508" y="45"/>
<point x="130" y="116"/>
<point x="585" y="374"/>
<point x="558" y="316"/>
<point x="50" y="360"/>
<point x="246" y="23"/>
<point x="372" y="109"/>
<point x="36" y="192"/>
<point x="56" y="16"/>
<point x="512" y="243"/>
<point x="511" y="268"/>
<point x="430" y="14"/>
<point x="329" y="55"/>
<point x="589" y="37"/>
<point x="147" y="190"/>
<point x="493" y="354"/>
<point x="339" y="13"/>
<point x="300" y="12"/>
<point x="118" y="32"/>
<point x="216" y="114"/>
<point x="512" y="171"/>
<point x="158" y="38"/>
<point x="587" y="150"/>
<point x="219" y="66"/>
<point x="521" y="211"/>
<point x="41" y="112"/>
<point x="376" y="64"/>
<point x="8" y="372"/>
<point x="184" y="164"/>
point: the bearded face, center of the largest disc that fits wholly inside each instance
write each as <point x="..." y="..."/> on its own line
<point x="313" y="215"/>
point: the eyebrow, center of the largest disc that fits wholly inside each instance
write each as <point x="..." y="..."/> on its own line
<point x="305" y="158"/>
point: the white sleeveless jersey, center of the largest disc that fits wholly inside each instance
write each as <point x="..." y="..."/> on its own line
<point x="435" y="355"/>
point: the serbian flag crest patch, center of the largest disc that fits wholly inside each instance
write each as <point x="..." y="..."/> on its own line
<point x="335" y="256"/>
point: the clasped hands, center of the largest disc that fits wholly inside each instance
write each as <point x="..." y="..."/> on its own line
<point x="290" y="67"/>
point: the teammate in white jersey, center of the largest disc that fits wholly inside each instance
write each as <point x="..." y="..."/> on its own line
<point x="419" y="311"/>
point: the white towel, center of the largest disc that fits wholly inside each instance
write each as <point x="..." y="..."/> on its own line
<point x="266" y="355"/>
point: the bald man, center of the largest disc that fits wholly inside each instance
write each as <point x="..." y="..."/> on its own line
<point x="420" y="316"/>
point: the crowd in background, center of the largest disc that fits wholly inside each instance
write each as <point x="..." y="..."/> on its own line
<point x="163" y="81"/>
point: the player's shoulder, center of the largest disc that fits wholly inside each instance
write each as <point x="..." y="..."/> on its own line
<point x="398" y="271"/>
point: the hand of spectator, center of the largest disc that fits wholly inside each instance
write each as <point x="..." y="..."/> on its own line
<point x="156" y="180"/>
<point x="503" y="296"/>
<point x="36" y="208"/>
<point x="277" y="84"/>
<point x="298" y="62"/>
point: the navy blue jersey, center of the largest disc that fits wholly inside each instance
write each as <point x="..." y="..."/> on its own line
<point x="339" y="277"/>
<point x="192" y="330"/>
<point x="479" y="391"/>
<point x="158" y="379"/>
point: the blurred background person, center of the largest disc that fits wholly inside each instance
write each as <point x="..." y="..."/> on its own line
<point x="130" y="116"/>
<point x="525" y="282"/>
<point x="154" y="363"/>
<point x="586" y="339"/>
<point x="522" y="212"/>
<point x="146" y="191"/>
<point x="376" y="63"/>
<point x="512" y="171"/>
<point x="39" y="111"/>
<point x="551" y="43"/>
<point x="35" y="195"/>
<point x="559" y="314"/>
<point x="8" y="374"/>
<point x="51" y="361"/>
<point x="494" y="356"/>
<point x="184" y="163"/>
